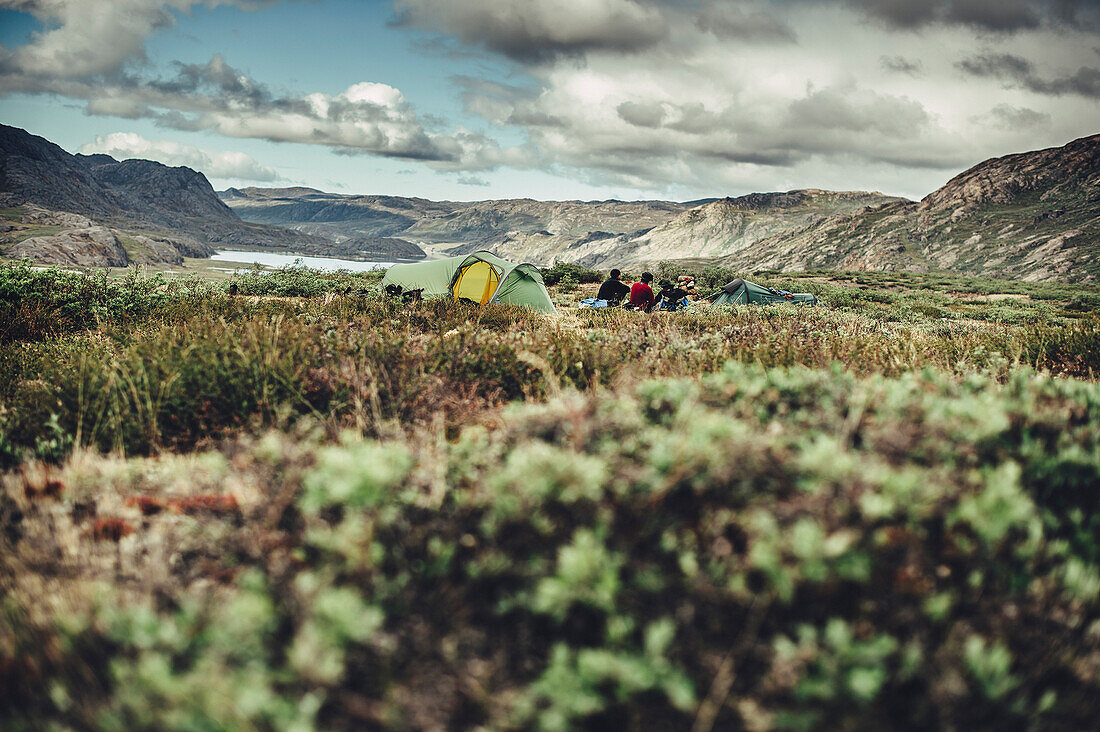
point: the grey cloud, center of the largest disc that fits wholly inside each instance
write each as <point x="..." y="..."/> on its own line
<point x="641" y="115"/>
<point x="729" y="22"/>
<point x="1018" y="118"/>
<point x="999" y="65"/>
<point x="993" y="16"/>
<point x="1021" y="72"/>
<point x="504" y="104"/>
<point x="472" y="180"/>
<point x="844" y="111"/>
<point x="900" y="13"/>
<point x="901" y="65"/>
<point x="111" y="107"/>
<point x="1084" y="82"/>
<point x="658" y="142"/>
<point x="696" y="119"/>
<point x="533" y="31"/>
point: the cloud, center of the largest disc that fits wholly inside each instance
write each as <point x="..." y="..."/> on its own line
<point x="1007" y="117"/>
<point x="533" y="31"/>
<point x="730" y="22"/>
<point x="472" y="180"/>
<point x="994" y="16"/>
<point x="1019" y="71"/>
<point x="366" y="118"/>
<point x="85" y="38"/>
<point x="998" y="65"/>
<point x="642" y="114"/>
<point x="212" y="163"/>
<point x="693" y="95"/>
<point x="901" y="65"/>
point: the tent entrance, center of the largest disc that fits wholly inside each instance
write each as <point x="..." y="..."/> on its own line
<point x="477" y="282"/>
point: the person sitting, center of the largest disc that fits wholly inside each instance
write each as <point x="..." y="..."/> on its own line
<point x="671" y="297"/>
<point x="641" y="294"/>
<point x="613" y="290"/>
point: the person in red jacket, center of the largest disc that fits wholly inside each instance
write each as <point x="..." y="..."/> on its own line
<point x="641" y="294"/>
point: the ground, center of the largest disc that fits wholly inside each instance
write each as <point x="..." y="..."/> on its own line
<point x="308" y="506"/>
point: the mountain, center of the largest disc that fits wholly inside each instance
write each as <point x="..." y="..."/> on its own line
<point x="1032" y="215"/>
<point x="595" y="233"/>
<point x="723" y="227"/>
<point x="456" y="226"/>
<point x="140" y="211"/>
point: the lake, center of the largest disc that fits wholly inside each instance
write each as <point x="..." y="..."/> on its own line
<point x="272" y="259"/>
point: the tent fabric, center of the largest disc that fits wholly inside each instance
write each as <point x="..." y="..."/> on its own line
<point x="743" y="292"/>
<point x="481" y="277"/>
<point x="524" y="285"/>
<point x="477" y="282"/>
<point x="731" y="288"/>
<point x="434" y="275"/>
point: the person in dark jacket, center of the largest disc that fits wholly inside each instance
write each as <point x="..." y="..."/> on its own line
<point x="641" y="294"/>
<point x="670" y="297"/>
<point x="613" y="290"/>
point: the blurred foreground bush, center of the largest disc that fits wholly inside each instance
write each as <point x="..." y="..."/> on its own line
<point x="785" y="548"/>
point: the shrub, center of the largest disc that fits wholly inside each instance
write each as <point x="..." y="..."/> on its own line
<point x="575" y="272"/>
<point x="802" y="547"/>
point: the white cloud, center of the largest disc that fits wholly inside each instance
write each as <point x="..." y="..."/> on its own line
<point x="90" y="37"/>
<point x="212" y="163"/>
<point x="693" y="96"/>
<point x="706" y="112"/>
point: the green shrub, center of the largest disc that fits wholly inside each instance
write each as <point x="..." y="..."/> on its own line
<point x="573" y="272"/>
<point x="801" y="547"/>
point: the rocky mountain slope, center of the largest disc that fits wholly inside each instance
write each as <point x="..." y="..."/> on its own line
<point x="154" y="212"/>
<point x="1033" y="215"/>
<point x="457" y="226"/>
<point x="721" y="228"/>
<point x="595" y="233"/>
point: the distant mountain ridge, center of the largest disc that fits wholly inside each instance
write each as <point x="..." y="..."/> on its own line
<point x="1032" y="215"/>
<point x="461" y="226"/>
<point x="596" y="233"/>
<point x="42" y="184"/>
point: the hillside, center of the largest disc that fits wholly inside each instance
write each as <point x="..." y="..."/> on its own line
<point x="603" y="233"/>
<point x="1033" y="215"/>
<point x="94" y="210"/>
<point x="722" y="227"/>
<point x="455" y="225"/>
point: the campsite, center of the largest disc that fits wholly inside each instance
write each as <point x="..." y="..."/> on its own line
<point x="549" y="365"/>
<point x="310" y="504"/>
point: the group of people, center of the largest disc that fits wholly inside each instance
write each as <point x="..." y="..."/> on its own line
<point x="640" y="295"/>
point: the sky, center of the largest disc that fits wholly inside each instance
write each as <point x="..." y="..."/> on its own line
<point x="555" y="99"/>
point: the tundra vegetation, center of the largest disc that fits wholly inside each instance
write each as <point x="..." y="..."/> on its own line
<point x="304" y="505"/>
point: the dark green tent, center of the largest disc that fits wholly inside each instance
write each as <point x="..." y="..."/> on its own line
<point x="743" y="292"/>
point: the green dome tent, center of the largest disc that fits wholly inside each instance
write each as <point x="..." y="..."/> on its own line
<point x="743" y="292"/>
<point x="481" y="277"/>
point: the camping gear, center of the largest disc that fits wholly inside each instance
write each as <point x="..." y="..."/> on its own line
<point x="593" y="302"/>
<point x="743" y="292"/>
<point x="481" y="277"/>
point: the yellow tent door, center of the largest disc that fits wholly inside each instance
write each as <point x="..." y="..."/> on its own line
<point x="477" y="282"/>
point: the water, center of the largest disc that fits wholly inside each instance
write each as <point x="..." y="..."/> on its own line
<point x="271" y="259"/>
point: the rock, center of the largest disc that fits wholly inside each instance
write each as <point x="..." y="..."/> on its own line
<point x="95" y="246"/>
